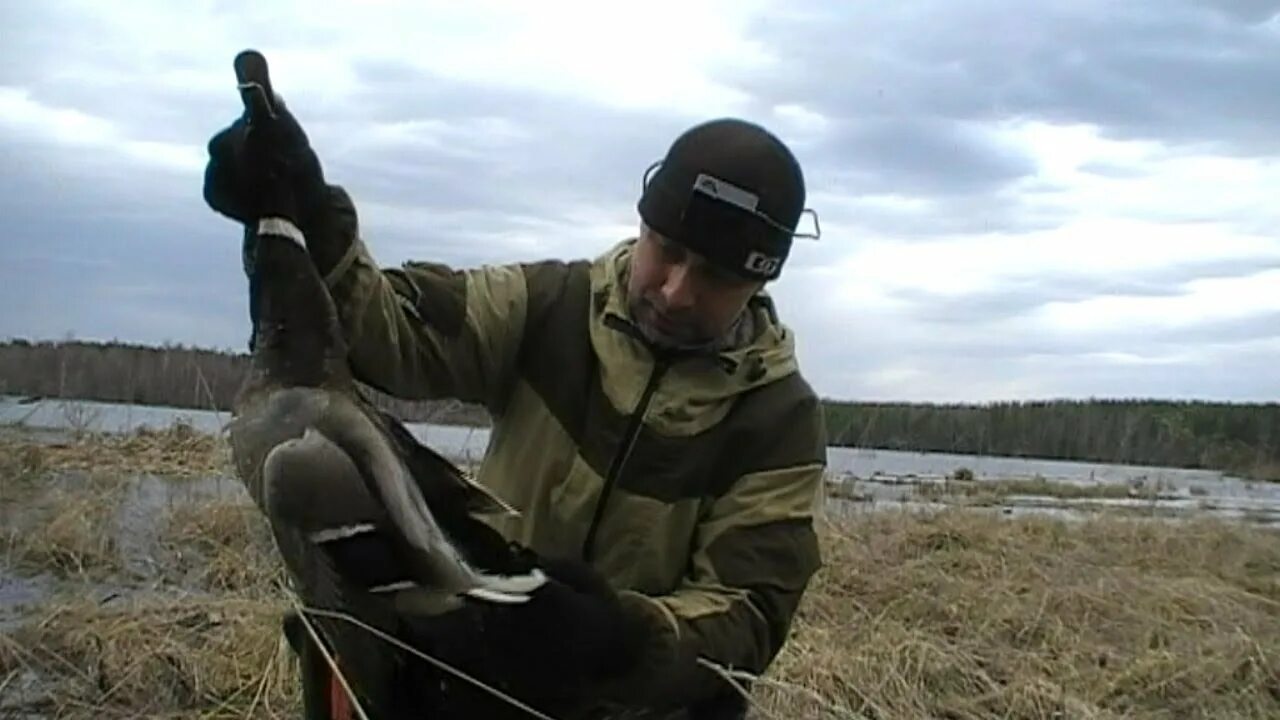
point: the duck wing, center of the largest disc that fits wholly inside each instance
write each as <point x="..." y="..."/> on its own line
<point x="395" y="511"/>
<point x="449" y="487"/>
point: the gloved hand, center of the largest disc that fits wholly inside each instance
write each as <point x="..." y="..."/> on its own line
<point x="265" y="170"/>
<point x="572" y="635"/>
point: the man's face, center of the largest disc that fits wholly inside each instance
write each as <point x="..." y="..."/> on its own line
<point x="678" y="298"/>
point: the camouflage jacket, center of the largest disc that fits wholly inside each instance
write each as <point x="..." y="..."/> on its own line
<point x="691" y="485"/>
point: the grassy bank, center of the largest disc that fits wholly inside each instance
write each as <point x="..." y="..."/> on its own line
<point x="965" y="616"/>
<point x="987" y="492"/>
<point x="949" y="615"/>
<point x="177" y="451"/>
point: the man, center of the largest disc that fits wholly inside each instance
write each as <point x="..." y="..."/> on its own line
<point x="649" y="416"/>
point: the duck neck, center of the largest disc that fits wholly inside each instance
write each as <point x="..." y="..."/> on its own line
<point x="297" y="337"/>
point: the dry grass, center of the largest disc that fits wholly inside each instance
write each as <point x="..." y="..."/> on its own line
<point x="58" y="500"/>
<point x="963" y="616"/>
<point x="68" y="532"/>
<point x="207" y="659"/>
<point x="986" y="492"/>
<point x="222" y="547"/>
<point x="22" y="466"/>
<point x="914" y="616"/>
<point x="952" y="615"/>
<point x="177" y="451"/>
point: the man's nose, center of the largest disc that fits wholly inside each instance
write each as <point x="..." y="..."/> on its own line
<point x="678" y="290"/>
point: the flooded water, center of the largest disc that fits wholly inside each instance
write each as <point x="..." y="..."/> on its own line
<point x="457" y="442"/>
<point x="872" y="476"/>
<point x="20" y="592"/>
<point x="925" y="466"/>
<point x="137" y="557"/>
<point x="147" y="497"/>
<point x="860" y="497"/>
<point x="137" y="509"/>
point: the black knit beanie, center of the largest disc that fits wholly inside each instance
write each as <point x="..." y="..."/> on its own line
<point x="731" y="191"/>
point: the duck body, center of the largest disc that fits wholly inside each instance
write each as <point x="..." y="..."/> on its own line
<point x="317" y="457"/>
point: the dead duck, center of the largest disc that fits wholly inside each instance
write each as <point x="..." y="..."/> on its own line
<point x="335" y="477"/>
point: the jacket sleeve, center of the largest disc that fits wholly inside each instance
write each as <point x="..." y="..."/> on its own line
<point x="754" y="554"/>
<point x="422" y="330"/>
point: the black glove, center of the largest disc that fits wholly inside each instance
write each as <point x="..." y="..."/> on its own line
<point x="549" y="652"/>
<point x="264" y="167"/>
<point x="264" y="170"/>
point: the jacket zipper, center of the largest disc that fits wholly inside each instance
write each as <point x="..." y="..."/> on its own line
<point x="624" y="453"/>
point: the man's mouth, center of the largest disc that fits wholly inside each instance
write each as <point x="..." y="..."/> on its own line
<point x="665" y="324"/>
<point x="661" y="327"/>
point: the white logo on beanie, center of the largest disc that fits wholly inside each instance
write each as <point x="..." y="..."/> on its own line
<point x="758" y="262"/>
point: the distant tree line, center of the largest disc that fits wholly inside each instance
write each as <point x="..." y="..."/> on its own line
<point x="1240" y="438"/>
<point x="171" y="375"/>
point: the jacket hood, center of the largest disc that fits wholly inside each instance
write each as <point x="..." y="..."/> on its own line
<point x="698" y="389"/>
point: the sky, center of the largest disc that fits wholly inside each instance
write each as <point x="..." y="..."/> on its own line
<point x="1061" y="199"/>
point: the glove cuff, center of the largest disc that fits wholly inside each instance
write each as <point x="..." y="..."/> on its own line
<point x="281" y="227"/>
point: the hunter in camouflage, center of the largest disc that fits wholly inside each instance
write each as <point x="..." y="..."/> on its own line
<point x="676" y="451"/>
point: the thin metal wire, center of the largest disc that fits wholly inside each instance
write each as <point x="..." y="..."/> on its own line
<point x="434" y="661"/>
<point x="792" y="232"/>
<point x="333" y="664"/>
<point x="732" y="677"/>
<point x="728" y="675"/>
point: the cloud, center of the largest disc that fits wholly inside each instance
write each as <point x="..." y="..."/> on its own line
<point x="1018" y="200"/>
<point x="1248" y="11"/>
<point x="29" y="120"/>
<point x="925" y="157"/>
<point x="980" y="95"/>
<point x="1144" y="70"/>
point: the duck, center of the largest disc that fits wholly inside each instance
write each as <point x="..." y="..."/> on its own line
<point x="361" y="510"/>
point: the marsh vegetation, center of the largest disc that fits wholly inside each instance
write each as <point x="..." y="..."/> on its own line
<point x="137" y="581"/>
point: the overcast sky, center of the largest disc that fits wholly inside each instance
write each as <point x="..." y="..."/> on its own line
<point x="1066" y="198"/>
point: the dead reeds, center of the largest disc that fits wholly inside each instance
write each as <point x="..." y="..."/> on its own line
<point x="68" y="531"/>
<point x="950" y="615"/>
<point x="188" y="657"/>
<point x="222" y="546"/>
<point x="176" y="451"/>
<point x="955" y="614"/>
<point x="958" y="615"/>
<point x="982" y="492"/>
